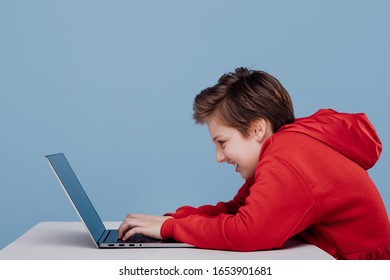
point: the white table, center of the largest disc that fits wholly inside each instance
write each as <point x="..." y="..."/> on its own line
<point x="70" y="241"/>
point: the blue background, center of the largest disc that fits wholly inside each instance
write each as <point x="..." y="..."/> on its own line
<point x="111" y="84"/>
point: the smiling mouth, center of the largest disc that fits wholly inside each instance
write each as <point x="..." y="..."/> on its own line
<point x="235" y="165"/>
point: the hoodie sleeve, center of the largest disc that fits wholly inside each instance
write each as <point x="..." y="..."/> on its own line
<point x="264" y="222"/>
<point x="230" y="207"/>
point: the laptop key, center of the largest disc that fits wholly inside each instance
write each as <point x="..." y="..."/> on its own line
<point x="139" y="238"/>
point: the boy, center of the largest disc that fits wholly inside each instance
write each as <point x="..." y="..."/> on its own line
<point x="304" y="177"/>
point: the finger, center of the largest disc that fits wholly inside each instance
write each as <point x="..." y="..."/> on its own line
<point x="125" y="225"/>
<point x="122" y="229"/>
<point x="128" y="225"/>
<point x="131" y="232"/>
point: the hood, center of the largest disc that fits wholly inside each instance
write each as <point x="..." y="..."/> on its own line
<point x="350" y="134"/>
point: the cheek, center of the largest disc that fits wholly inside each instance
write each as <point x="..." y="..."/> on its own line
<point x="245" y="153"/>
<point x="245" y="158"/>
<point x="228" y="154"/>
<point x="253" y="155"/>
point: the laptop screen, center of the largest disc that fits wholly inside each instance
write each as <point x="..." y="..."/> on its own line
<point x="77" y="195"/>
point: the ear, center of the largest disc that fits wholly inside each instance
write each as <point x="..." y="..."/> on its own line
<point x="261" y="130"/>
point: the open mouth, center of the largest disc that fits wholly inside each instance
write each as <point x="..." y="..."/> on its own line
<point x="236" y="166"/>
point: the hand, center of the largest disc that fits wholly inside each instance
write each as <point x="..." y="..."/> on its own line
<point x="148" y="225"/>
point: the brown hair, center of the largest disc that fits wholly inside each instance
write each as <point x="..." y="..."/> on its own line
<point x="242" y="97"/>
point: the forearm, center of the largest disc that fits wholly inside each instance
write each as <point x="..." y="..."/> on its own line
<point x="209" y="210"/>
<point x="230" y="207"/>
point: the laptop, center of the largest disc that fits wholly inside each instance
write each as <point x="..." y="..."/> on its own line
<point x="102" y="237"/>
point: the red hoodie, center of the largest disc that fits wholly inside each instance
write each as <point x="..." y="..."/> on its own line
<point x="311" y="181"/>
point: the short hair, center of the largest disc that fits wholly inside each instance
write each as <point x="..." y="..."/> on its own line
<point x="242" y="97"/>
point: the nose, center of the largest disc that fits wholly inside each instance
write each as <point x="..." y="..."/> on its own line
<point x="220" y="156"/>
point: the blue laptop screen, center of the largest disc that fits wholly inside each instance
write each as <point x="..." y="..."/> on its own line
<point x="77" y="194"/>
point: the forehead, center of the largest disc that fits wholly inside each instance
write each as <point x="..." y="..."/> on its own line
<point x="218" y="129"/>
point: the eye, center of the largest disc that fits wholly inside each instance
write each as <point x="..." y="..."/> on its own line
<point x="221" y="142"/>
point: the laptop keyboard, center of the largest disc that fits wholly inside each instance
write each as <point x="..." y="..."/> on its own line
<point x="138" y="238"/>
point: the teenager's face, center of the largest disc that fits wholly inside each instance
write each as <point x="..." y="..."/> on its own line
<point x="233" y="148"/>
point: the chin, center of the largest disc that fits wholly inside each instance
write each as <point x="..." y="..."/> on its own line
<point x="246" y="175"/>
